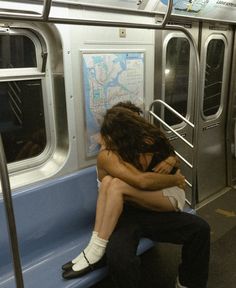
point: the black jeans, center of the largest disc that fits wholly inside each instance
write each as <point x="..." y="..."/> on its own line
<point x="173" y="227"/>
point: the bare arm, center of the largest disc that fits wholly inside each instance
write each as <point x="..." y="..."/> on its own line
<point x="165" y="166"/>
<point x="109" y="163"/>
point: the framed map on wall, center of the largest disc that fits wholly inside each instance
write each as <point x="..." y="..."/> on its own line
<point x="109" y="78"/>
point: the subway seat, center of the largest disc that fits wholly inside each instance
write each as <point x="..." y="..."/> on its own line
<point x="54" y="222"/>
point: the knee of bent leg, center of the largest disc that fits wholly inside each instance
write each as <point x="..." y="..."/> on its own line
<point x="103" y="188"/>
<point x="117" y="186"/>
<point x="107" y="180"/>
<point x="203" y="228"/>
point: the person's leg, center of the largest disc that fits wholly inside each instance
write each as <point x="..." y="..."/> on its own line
<point x="153" y="200"/>
<point x="178" y="228"/>
<point x="193" y="271"/>
<point x="110" y="205"/>
<point x="188" y="230"/>
<point x="123" y="263"/>
<point x="101" y="203"/>
<point x="109" y="208"/>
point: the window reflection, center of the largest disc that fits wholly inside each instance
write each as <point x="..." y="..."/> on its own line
<point x="213" y="77"/>
<point x="17" y="51"/>
<point x="177" y="78"/>
<point x="22" y="119"/>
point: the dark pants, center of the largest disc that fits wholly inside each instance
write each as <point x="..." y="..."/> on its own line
<point x="173" y="227"/>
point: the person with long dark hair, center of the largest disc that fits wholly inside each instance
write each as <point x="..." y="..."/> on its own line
<point x="134" y="174"/>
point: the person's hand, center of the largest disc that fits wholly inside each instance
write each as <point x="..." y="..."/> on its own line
<point x="165" y="166"/>
<point x="180" y="180"/>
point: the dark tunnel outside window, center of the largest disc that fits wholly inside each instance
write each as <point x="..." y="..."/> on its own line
<point x="177" y="78"/>
<point x="22" y="121"/>
<point x="213" y="77"/>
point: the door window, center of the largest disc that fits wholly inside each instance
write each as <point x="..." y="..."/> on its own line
<point x="177" y="78"/>
<point x="213" y="77"/>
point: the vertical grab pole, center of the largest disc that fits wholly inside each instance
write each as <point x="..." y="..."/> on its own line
<point x="168" y="13"/>
<point x="6" y="191"/>
<point x="46" y="9"/>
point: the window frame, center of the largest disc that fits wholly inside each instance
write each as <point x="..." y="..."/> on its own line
<point x="166" y="41"/>
<point x="38" y="46"/>
<point x="220" y="109"/>
<point x="33" y="73"/>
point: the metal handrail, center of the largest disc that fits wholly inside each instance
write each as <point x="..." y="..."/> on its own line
<point x="106" y="8"/>
<point x="161" y="102"/>
<point x="170" y="128"/>
<point x="176" y="133"/>
<point x="168" y="13"/>
<point x="32" y="16"/>
<point x="6" y="191"/>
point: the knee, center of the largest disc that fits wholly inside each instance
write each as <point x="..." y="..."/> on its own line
<point x="203" y="228"/>
<point x="116" y="186"/>
<point x="104" y="186"/>
<point x="111" y="189"/>
<point x="107" y="180"/>
<point x="116" y="183"/>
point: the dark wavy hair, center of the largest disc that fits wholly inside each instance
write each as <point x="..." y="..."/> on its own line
<point x="129" y="105"/>
<point x="128" y="134"/>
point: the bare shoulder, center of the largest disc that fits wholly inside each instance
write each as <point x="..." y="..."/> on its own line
<point x="105" y="160"/>
<point x="105" y="157"/>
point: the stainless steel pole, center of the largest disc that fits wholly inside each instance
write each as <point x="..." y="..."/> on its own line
<point x="6" y="191"/>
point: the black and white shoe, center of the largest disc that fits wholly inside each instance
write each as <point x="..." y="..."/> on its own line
<point x="70" y="274"/>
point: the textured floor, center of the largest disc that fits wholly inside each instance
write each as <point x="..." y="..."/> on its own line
<point x="221" y="215"/>
<point x="159" y="265"/>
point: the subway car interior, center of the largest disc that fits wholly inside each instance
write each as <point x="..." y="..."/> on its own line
<point x="63" y="63"/>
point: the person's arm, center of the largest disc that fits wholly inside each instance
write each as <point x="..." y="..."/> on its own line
<point x="170" y="163"/>
<point x="165" y="166"/>
<point x="109" y="163"/>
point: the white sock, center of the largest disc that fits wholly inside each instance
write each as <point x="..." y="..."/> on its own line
<point x="81" y="255"/>
<point x="93" y="255"/>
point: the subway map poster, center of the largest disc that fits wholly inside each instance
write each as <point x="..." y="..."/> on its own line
<point x="109" y="78"/>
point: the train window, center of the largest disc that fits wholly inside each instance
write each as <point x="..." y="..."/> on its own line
<point x="22" y="118"/>
<point x="213" y="77"/>
<point x="177" y="78"/>
<point x="17" y="51"/>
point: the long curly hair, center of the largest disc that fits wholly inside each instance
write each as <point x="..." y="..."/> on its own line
<point x="128" y="134"/>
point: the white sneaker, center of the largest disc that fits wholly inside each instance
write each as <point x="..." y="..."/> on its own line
<point x="178" y="285"/>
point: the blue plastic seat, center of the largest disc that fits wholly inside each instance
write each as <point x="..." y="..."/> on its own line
<point x="54" y="223"/>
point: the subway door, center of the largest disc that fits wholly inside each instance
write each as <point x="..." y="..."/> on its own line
<point x="215" y="64"/>
<point x="175" y="84"/>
